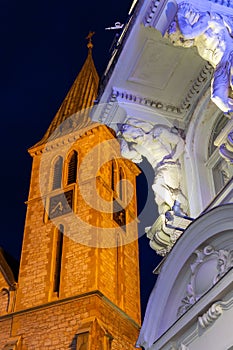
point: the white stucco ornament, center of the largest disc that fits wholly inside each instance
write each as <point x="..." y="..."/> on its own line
<point x="211" y="34"/>
<point x="162" y="146"/>
<point x="198" y="267"/>
<point x="210" y="265"/>
<point x="211" y="315"/>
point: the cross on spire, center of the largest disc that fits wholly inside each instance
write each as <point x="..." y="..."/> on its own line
<point x="89" y="38"/>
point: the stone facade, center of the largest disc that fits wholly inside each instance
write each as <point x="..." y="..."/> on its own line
<point x="57" y="325"/>
<point x="78" y="285"/>
<point x="97" y="282"/>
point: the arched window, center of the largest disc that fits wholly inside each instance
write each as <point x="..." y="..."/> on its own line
<point x="58" y="245"/>
<point x="57" y="173"/>
<point x="72" y="168"/>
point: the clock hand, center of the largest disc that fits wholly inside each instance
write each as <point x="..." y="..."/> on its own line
<point x="59" y="206"/>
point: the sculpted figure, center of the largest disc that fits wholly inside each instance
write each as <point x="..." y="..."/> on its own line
<point x="212" y="35"/>
<point x="161" y="146"/>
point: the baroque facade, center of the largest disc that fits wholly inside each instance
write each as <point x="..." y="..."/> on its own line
<point x="167" y="92"/>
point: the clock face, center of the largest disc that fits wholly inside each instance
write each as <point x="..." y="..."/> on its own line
<point x="61" y="204"/>
<point x="119" y="215"/>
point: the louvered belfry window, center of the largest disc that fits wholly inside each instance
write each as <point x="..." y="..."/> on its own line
<point x="57" y="174"/>
<point x="72" y="168"/>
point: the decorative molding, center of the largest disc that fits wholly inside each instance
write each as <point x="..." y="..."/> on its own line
<point x="160" y="14"/>
<point x="107" y="112"/>
<point x="203" y="77"/>
<point x="163" y="236"/>
<point x="132" y="97"/>
<point x="226" y="3"/>
<point x="211" y="315"/>
<point x="119" y="95"/>
<point x="216" y="264"/>
<point x="152" y="12"/>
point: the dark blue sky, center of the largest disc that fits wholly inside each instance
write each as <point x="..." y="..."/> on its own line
<point x="43" y="47"/>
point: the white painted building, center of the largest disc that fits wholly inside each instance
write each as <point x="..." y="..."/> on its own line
<point x="157" y="77"/>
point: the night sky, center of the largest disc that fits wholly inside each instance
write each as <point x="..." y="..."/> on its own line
<point x="43" y="47"/>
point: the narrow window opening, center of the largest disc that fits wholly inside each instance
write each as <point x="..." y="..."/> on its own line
<point x="121" y="189"/>
<point x="113" y="168"/>
<point x="72" y="169"/>
<point x="58" y="259"/>
<point x="57" y="173"/>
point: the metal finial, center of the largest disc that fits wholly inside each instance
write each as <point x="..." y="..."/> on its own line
<point x="89" y="38"/>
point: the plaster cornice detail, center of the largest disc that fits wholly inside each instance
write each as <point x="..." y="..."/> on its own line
<point x="203" y="77"/>
<point x="152" y="12"/>
<point x="129" y="96"/>
<point x="124" y="96"/>
<point x="226" y="3"/>
<point x="107" y="112"/>
<point x="179" y="112"/>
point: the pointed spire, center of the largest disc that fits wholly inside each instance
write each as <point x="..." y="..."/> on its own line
<point x="81" y="95"/>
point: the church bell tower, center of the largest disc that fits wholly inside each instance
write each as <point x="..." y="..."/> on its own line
<point x="78" y="282"/>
